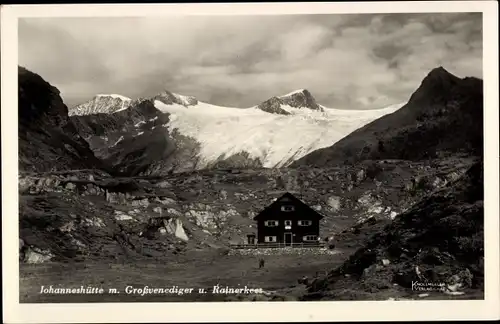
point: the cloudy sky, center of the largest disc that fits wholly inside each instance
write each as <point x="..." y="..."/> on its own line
<point x="346" y="61"/>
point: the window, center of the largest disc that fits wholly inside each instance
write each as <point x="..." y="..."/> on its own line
<point x="310" y="238"/>
<point x="269" y="238"/>
<point x="305" y="222"/>
<point x="287" y="208"/>
<point x="288" y="223"/>
<point x="271" y="223"/>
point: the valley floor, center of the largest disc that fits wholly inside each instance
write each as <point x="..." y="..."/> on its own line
<point x="195" y="270"/>
<point x="200" y="269"/>
<point x="111" y="233"/>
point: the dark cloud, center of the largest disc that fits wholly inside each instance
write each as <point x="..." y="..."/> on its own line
<point x="349" y="61"/>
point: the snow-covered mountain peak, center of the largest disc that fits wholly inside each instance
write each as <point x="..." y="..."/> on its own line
<point x="186" y="100"/>
<point x="114" y="96"/>
<point x="102" y="104"/>
<point x="170" y="98"/>
<point x="286" y="104"/>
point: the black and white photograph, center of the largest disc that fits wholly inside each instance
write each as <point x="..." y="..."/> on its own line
<point x="276" y="158"/>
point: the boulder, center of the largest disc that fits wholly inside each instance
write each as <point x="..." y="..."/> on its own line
<point x="169" y="226"/>
<point x="334" y="203"/>
<point x="34" y="255"/>
<point x="179" y="230"/>
<point x="122" y="217"/>
<point x="25" y="184"/>
<point x="360" y="175"/>
<point x="140" y="203"/>
<point x="68" y="227"/>
<point x="163" y="184"/>
<point x="70" y="186"/>
<point x="166" y="201"/>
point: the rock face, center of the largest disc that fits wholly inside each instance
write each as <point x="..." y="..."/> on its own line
<point x="135" y="141"/>
<point x="106" y="104"/>
<point x="273" y="106"/>
<point x="443" y="117"/>
<point x="301" y="99"/>
<point x="298" y="99"/>
<point x="48" y="140"/>
<point x="170" y="98"/>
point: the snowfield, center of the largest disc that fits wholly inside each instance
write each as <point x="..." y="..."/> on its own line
<point x="276" y="140"/>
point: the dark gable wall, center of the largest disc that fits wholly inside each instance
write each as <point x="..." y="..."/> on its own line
<point x="301" y="212"/>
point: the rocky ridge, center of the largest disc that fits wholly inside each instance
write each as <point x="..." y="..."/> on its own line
<point x="438" y="240"/>
<point x="301" y="99"/>
<point x="169" y="98"/>
<point x="101" y="104"/>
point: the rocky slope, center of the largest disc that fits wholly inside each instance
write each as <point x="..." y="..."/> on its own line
<point x="438" y="240"/>
<point x="443" y="117"/>
<point x="212" y="207"/>
<point x="135" y="141"/>
<point x="138" y="141"/>
<point x="48" y="140"/>
<point x="439" y="237"/>
<point x="101" y="104"/>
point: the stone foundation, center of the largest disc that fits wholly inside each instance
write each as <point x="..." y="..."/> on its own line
<point x="282" y="251"/>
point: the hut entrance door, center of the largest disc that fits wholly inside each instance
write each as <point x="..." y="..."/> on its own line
<point x="288" y="239"/>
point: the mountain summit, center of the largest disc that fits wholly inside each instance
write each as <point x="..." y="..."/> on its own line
<point x="170" y="98"/>
<point x="111" y="103"/>
<point x="297" y="99"/>
<point x="434" y="86"/>
<point x="300" y="99"/>
<point x="101" y="104"/>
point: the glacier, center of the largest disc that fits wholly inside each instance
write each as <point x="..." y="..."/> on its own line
<point x="276" y="140"/>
